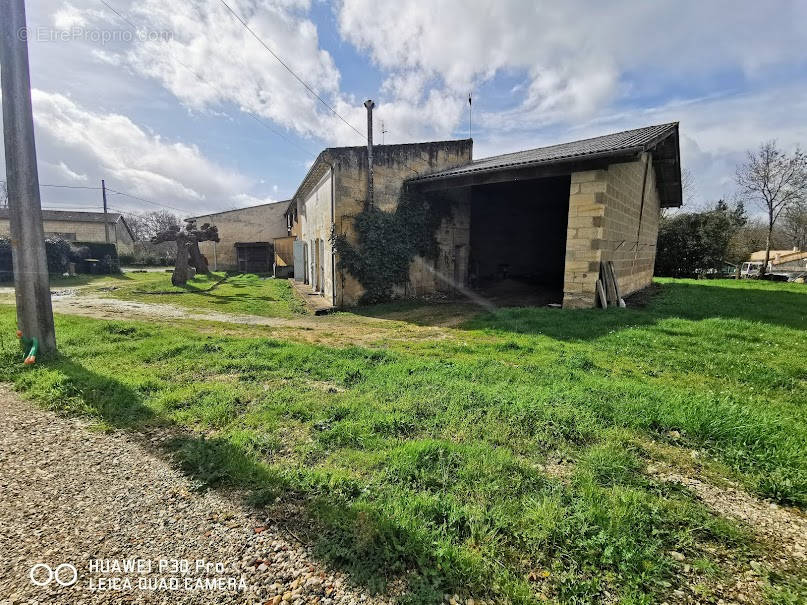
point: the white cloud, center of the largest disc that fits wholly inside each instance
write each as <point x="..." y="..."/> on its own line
<point x="68" y="16"/>
<point x="577" y="56"/>
<point x="209" y="58"/>
<point x="136" y="161"/>
<point x="70" y="175"/>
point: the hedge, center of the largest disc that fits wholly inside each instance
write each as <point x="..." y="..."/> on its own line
<point x="60" y="252"/>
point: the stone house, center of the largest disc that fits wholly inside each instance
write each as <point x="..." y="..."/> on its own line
<point x="247" y="237"/>
<point x="529" y="227"/>
<point x="335" y="190"/>
<point x="82" y="227"/>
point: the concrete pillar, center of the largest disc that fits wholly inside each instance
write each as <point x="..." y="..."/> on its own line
<point x="34" y="312"/>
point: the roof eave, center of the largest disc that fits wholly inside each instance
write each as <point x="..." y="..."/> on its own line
<point x="626" y="153"/>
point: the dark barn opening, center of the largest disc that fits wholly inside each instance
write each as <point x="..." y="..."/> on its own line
<point x="518" y="240"/>
<point x="254" y="257"/>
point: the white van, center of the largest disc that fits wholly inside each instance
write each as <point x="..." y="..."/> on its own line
<point x="750" y="269"/>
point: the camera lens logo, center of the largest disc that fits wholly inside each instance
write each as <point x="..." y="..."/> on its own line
<point x="64" y="574"/>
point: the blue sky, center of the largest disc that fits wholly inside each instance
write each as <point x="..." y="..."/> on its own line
<point x="171" y="116"/>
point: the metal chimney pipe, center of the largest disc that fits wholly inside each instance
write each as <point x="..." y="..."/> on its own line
<point x="369" y="105"/>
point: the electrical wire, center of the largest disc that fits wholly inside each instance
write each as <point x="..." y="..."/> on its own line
<point x="142" y="199"/>
<point x="216" y="88"/>
<point x="290" y="70"/>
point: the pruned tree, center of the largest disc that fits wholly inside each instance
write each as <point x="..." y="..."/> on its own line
<point x="774" y="181"/>
<point x="205" y="233"/>
<point x="174" y="234"/>
<point x="187" y="241"/>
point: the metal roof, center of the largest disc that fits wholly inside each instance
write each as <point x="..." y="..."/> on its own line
<point x="618" y="143"/>
<point x="70" y="215"/>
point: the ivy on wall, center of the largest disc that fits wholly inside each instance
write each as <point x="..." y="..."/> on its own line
<point x="387" y="242"/>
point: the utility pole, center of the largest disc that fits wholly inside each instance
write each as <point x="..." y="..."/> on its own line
<point x="106" y="221"/>
<point x="369" y="105"/>
<point x="32" y="289"/>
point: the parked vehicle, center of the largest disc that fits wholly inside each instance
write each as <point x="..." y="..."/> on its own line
<point x="750" y="269"/>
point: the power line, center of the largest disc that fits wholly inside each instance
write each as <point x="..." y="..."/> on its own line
<point x="216" y="88"/>
<point x="63" y="186"/>
<point x="290" y="70"/>
<point x="134" y="197"/>
<point x="71" y="187"/>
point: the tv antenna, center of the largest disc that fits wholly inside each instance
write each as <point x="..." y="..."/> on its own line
<point x="470" y="114"/>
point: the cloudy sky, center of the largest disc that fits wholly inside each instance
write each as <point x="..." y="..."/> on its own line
<point x="175" y="101"/>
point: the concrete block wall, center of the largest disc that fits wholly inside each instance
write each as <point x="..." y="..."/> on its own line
<point x="630" y="227"/>
<point x="608" y="222"/>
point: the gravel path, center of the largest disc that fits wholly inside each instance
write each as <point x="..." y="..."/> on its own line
<point x="71" y="495"/>
<point x="783" y="528"/>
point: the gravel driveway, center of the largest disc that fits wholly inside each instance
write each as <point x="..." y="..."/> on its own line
<point x="97" y="501"/>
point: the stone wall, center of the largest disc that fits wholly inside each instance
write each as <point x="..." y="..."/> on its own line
<point x="392" y="165"/>
<point x="609" y="221"/>
<point x="254" y="224"/>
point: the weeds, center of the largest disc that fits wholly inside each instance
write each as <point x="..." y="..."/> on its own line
<point x="428" y="461"/>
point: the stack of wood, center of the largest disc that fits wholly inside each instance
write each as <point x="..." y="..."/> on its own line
<point x="608" y="287"/>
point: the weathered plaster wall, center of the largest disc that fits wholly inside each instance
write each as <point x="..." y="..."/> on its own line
<point x="609" y="221"/>
<point x="394" y="164"/>
<point x="255" y="224"/>
<point x="315" y="229"/>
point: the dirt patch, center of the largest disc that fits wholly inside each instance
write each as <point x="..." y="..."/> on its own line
<point x="781" y="528"/>
<point x="341" y="329"/>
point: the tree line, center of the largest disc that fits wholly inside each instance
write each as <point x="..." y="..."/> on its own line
<point x="770" y="181"/>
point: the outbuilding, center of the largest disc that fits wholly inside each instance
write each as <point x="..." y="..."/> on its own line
<point x="525" y="228"/>
<point x="246" y="237"/>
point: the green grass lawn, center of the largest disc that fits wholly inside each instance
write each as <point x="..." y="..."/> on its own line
<point x="507" y="460"/>
<point x="234" y="293"/>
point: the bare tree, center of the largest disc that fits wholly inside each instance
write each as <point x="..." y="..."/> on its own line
<point x="146" y="225"/>
<point x="774" y="181"/>
<point x="137" y="224"/>
<point x="688" y="188"/>
<point x="794" y="224"/>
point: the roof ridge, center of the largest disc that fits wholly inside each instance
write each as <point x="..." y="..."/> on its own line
<point x="601" y="136"/>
